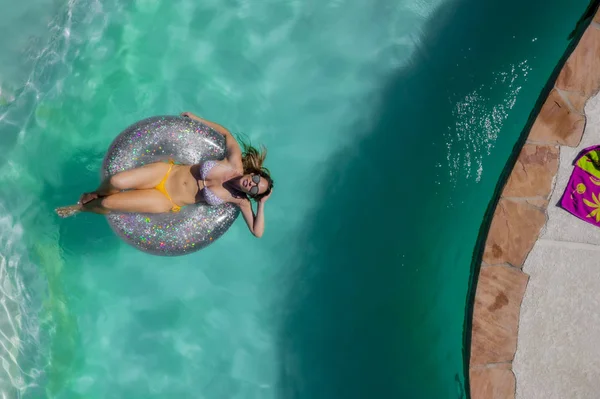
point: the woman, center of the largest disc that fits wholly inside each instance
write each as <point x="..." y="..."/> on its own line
<point x="166" y="187"/>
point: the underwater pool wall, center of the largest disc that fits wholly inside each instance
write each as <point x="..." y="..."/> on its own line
<point x="517" y="214"/>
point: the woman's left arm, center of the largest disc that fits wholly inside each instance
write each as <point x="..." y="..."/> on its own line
<point x="255" y="222"/>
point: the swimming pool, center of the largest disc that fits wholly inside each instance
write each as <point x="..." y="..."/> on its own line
<point x="388" y="124"/>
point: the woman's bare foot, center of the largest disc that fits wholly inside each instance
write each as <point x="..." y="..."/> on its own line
<point x="87" y="197"/>
<point x="95" y="206"/>
<point x="66" y="211"/>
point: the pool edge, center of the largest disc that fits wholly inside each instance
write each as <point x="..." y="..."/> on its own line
<point x="518" y="214"/>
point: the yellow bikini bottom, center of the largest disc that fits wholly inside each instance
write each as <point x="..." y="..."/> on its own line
<point x="161" y="187"/>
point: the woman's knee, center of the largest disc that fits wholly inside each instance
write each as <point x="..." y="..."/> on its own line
<point x="120" y="181"/>
<point x="108" y="202"/>
<point x="144" y="177"/>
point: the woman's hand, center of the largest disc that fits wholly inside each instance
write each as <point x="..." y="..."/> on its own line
<point x="265" y="198"/>
<point x="189" y="115"/>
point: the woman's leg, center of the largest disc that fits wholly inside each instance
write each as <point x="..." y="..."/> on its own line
<point x="144" y="177"/>
<point x="137" y="201"/>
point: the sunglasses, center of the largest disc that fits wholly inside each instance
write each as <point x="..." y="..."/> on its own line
<point x="255" y="180"/>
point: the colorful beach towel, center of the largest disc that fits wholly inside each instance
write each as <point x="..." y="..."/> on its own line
<point x="582" y="195"/>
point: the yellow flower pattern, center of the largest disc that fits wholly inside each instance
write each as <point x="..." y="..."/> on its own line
<point x="595" y="206"/>
<point x="595" y="180"/>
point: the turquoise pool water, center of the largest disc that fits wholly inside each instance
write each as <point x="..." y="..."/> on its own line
<point x="388" y="125"/>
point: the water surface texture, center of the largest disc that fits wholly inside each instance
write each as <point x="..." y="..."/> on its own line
<point x="388" y="124"/>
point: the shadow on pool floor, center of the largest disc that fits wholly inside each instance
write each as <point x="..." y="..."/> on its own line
<point x="364" y="317"/>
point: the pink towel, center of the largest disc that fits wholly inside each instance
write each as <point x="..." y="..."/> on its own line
<point x="582" y="195"/>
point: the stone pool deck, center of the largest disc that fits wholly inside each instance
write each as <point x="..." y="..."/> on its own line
<point x="536" y="317"/>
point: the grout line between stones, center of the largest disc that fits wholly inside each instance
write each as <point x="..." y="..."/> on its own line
<point x="491" y="365"/>
<point x="525" y="200"/>
<point x="540" y="142"/>
<point x="566" y="99"/>
<point x="503" y="264"/>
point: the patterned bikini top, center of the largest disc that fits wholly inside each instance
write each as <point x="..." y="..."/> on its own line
<point x="209" y="197"/>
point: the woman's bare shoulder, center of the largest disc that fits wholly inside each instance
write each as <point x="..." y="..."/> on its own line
<point x="232" y="167"/>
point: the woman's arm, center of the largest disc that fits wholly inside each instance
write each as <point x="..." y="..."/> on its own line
<point x="212" y="125"/>
<point x="234" y="152"/>
<point x="255" y="222"/>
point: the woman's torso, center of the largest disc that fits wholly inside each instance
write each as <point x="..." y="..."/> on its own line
<point x="189" y="184"/>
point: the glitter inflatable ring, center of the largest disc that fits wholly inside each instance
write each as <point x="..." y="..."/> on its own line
<point x="185" y="141"/>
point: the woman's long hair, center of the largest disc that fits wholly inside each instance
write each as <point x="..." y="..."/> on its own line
<point x="253" y="160"/>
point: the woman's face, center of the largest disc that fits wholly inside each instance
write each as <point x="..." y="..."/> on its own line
<point x="253" y="184"/>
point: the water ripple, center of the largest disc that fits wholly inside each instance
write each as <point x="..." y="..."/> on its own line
<point x="479" y="120"/>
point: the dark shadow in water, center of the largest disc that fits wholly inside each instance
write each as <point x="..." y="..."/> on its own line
<point x="360" y="318"/>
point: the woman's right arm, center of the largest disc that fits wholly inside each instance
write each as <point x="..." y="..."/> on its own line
<point x="234" y="152"/>
<point x="213" y="125"/>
